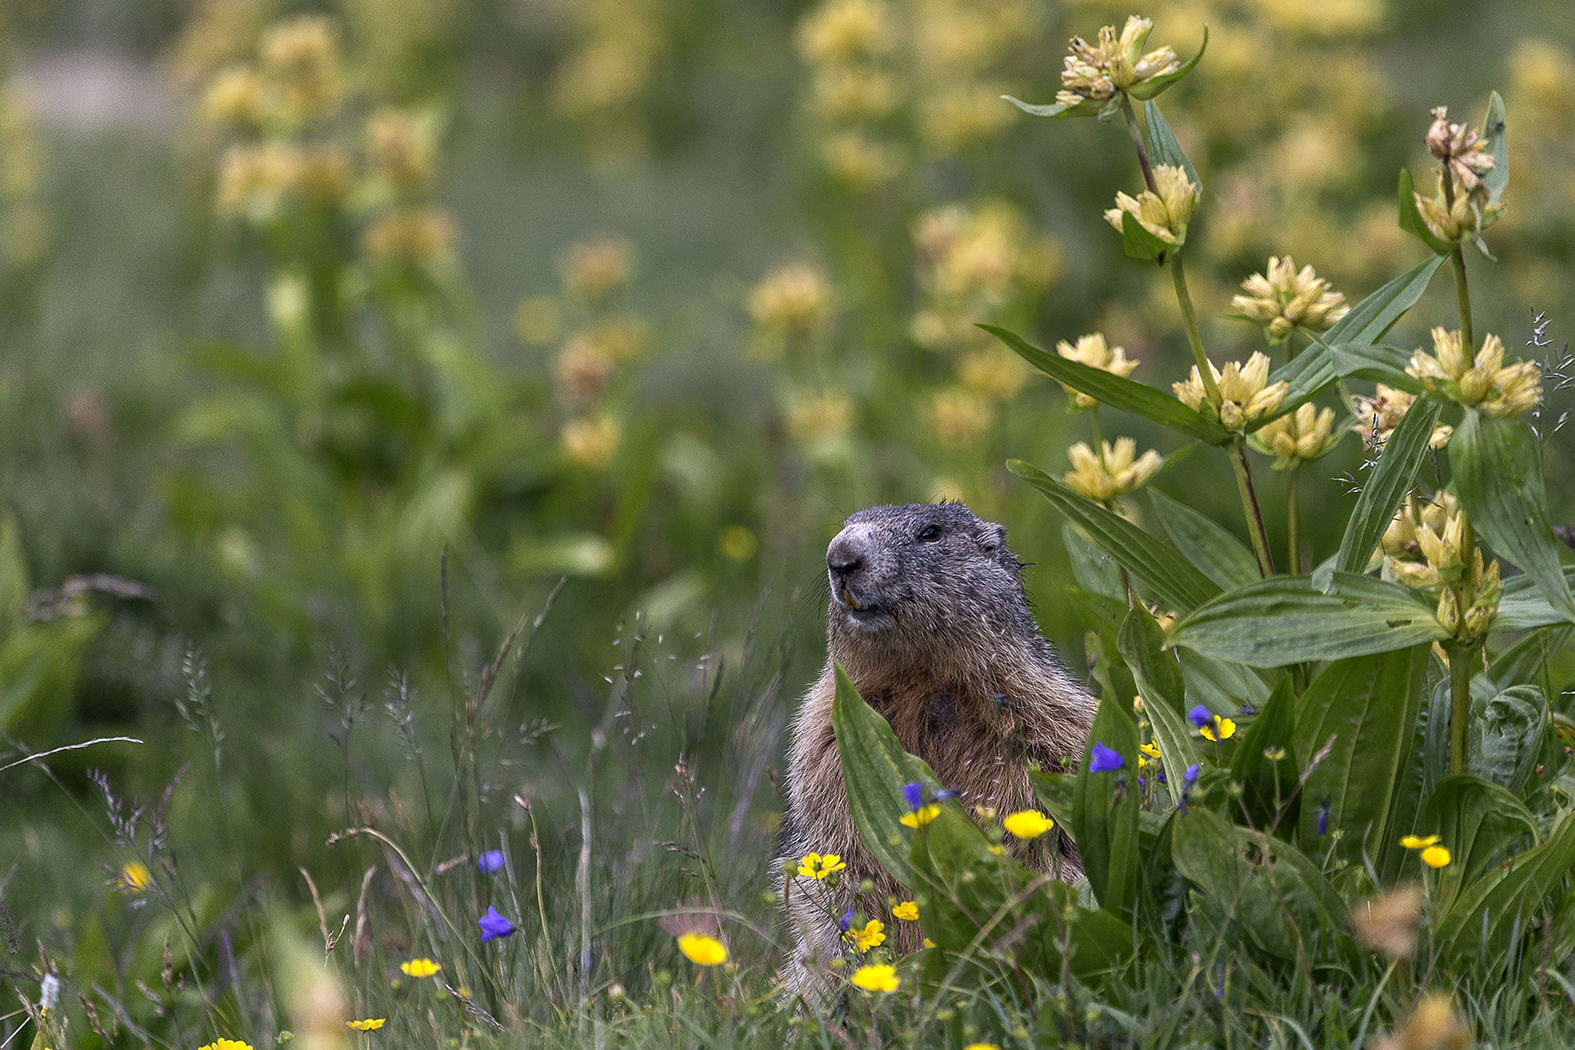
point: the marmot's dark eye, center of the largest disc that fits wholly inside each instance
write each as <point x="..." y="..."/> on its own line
<point x="931" y="532"/>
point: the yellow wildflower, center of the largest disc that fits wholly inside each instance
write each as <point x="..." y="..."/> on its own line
<point x="816" y="866"/>
<point x="868" y="936"/>
<point x="1297" y="437"/>
<point x="1435" y="856"/>
<point x="1219" y="729"/>
<point x="921" y="816"/>
<point x="1151" y="750"/>
<point x="843" y="29"/>
<point x="928" y="943"/>
<point x="419" y="968"/>
<point x="1378" y="415"/>
<point x="590" y="443"/>
<point x="1481" y="381"/>
<point x="1098" y="71"/>
<point x="1245" y="393"/>
<point x="371" y="1024"/>
<point x="1164" y="214"/>
<point x="1028" y="824"/>
<point x="415" y="236"/>
<point x="135" y="877"/>
<point x="702" y="950"/>
<point x="1091" y="350"/>
<point x="794" y="299"/>
<point x="879" y="977"/>
<point x="907" y="911"/>
<point x="1433" y="1025"/>
<point x="1418" y="842"/>
<point x="1284" y="300"/>
<point x="226" y="1044"/>
<point x="597" y="266"/>
<point x="1112" y="473"/>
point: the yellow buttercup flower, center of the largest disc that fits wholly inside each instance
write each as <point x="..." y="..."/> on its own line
<point x="928" y="943"/>
<point x="226" y="1044"/>
<point x="1092" y="351"/>
<point x="870" y="935"/>
<point x="816" y="866"/>
<point x="879" y="977"/>
<point x="1151" y="750"/>
<point x="371" y="1024"/>
<point x="907" y="911"/>
<point x="1113" y="472"/>
<point x="1219" y="729"/>
<point x="419" y="968"/>
<point x="702" y="950"/>
<point x="1418" y="842"/>
<point x="1028" y="824"/>
<point x="921" y="816"/>
<point x="1245" y="394"/>
<point x="1435" y="856"/>
<point x="1164" y="213"/>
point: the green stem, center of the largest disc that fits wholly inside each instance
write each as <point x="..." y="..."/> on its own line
<point x="1178" y="277"/>
<point x="1099" y="437"/>
<point x="1137" y="144"/>
<point x="1463" y="298"/>
<point x="1460" y="658"/>
<point x="1249" y="504"/>
<point x="1293" y="527"/>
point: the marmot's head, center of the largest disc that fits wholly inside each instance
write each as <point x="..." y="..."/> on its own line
<point x="912" y="575"/>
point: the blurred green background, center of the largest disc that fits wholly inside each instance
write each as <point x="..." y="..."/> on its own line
<point x="642" y="294"/>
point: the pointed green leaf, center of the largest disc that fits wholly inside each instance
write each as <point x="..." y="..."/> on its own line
<point x="1223" y="686"/>
<point x="1477" y="928"/>
<point x="1498" y="480"/>
<point x="1286" y="619"/>
<point x="1256" y="772"/>
<point x="1222" y="557"/>
<point x="1374" y="362"/>
<point x="875" y="768"/>
<point x="1139" y="243"/>
<point x="1411" y="219"/>
<point x="1170" y="578"/>
<point x="1105" y="813"/>
<point x="1055" y="110"/>
<point x="1369" y="704"/>
<point x="1403" y="455"/>
<point x="1162" y="145"/>
<point x="1497" y="136"/>
<point x="1474" y="819"/>
<point x="1159" y="682"/>
<point x="1524" y="661"/>
<point x="1154" y="87"/>
<point x="1113" y="390"/>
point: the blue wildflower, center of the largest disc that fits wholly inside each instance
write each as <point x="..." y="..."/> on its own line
<point x="494" y="926"/>
<point x="1200" y="716"/>
<point x="914" y="793"/>
<point x="847" y="920"/>
<point x="1105" y="760"/>
<point x="1190" y="777"/>
<point x="490" y="861"/>
<point x="1323" y="814"/>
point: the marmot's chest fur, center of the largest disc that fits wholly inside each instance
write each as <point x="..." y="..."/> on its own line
<point x="929" y="618"/>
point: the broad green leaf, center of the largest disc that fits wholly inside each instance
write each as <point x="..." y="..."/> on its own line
<point x="1476" y="929"/>
<point x="1524" y="661"/>
<point x="1116" y="391"/>
<point x="1160" y="683"/>
<point x="1286" y="619"/>
<point x="1403" y="455"/>
<point x="1056" y="111"/>
<point x="875" y="768"/>
<point x="1291" y="901"/>
<point x="1105" y="813"/>
<point x="1162" y="891"/>
<point x="1411" y="219"/>
<point x="1139" y="243"/>
<point x="1094" y="570"/>
<point x="1222" y="557"/>
<point x="1369" y="705"/>
<point x="1258" y="774"/>
<point x="1498" y="480"/>
<point x="1523" y="605"/>
<point x="1155" y="86"/>
<point x="1057" y="791"/>
<point x="1474" y="819"/>
<point x="1504" y="737"/>
<point x="1496" y="133"/>
<point x="1374" y="362"/>
<point x="1162" y="145"/>
<point x="1169" y="577"/>
<point x="1223" y="686"/>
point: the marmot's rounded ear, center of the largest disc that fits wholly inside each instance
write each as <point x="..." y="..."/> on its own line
<point x="994" y="538"/>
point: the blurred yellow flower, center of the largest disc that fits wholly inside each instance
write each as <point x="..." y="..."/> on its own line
<point x="702" y="950"/>
<point x="818" y="416"/>
<point x="597" y="266"/>
<point x="738" y="543"/>
<point x="301" y="60"/>
<point x="818" y="866"/>
<point x="1092" y="351"/>
<point x="1433" y="1025"/>
<point x="419" y="968"/>
<point x="907" y="911"/>
<point x="590" y="443"/>
<point x="880" y="977"/>
<point x="371" y="1024"/>
<point x="1151" y="750"/>
<point x="236" y="98"/>
<point x="1166" y="213"/>
<point x="1218" y="729"/>
<point x="868" y="936"/>
<point x="921" y="816"/>
<point x="135" y="877"/>
<point x="1285" y="299"/>
<point x="839" y="30"/>
<point x="1435" y="856"/>
<point x="1482" y="381"/>
<point x="414" y="236"/>
<point x="226" y="1044"/>
<point x="959" y="416"/>
<point x="1027" y="824"/>
<point x="537" y="320"/>
<point x="1113" y="472"/>
<point x="1543" y="74"/>
<point x="853" y="93"/>
<point x="864" y="163"/>
<point x="1418" y="842"/>
<point x="401" y="147"/>
<point x="794" y="299"/>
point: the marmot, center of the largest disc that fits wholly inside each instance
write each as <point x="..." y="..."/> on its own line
<point x="929" y="618"/>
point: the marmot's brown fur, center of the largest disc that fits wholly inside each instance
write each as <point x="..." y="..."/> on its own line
<point x="929" y="618"/>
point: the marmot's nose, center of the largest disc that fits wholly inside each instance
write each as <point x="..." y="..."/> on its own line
<point x="845" y="555"/>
